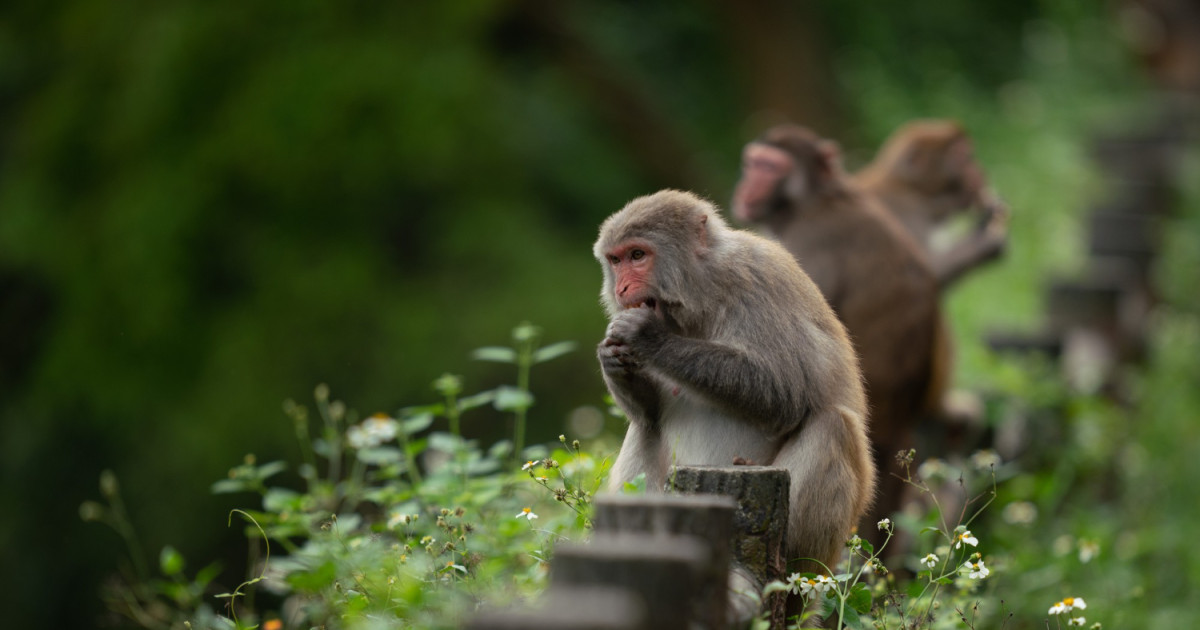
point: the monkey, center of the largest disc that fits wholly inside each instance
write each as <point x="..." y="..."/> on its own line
<point x="875" y="276"/>
<point x="720" y="349"/>
<point x="926" y="173"/>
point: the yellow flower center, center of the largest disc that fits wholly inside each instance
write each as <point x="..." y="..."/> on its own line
<point x="526" y="510"/>
<point x="1070" y="601"/>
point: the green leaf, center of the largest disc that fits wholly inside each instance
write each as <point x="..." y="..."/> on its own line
<point x="281" y="500"/>
<point x="775" y="586"/>
<point x="417" y="423"/>
<point x="271" y="468"/>
<point x="170" y="561"/>
<point x="446" y="442"/>
<point x="483" y="467"/>
<point x="553" y="351"/>
<point x="868" y="547"/>
<point x="476" y="400"/>
<point x="207" y="574"/>
<point x="495" y="353"/>
<point x="227" y="486"/>
<point x="860" y="598"/>
<point x="500" y="449"/>
<point x="380" y="455"/>
<point x="314" y="580"/>
<point x="512" y="399"/>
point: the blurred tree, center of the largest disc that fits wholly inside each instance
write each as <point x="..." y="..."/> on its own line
<point x="209" y="207"/>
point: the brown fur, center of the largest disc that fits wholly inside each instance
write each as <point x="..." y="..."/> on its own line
<point x="926" y="174"/>
<point x="739" y="357"/>
<point x="874" y="275"/>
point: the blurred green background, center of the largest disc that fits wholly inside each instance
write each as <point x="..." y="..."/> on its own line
<point x="209" y="207"/>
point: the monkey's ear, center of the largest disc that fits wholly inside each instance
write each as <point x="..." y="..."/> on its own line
<point x="702" y="231"/>
<point x="829" y="155"/>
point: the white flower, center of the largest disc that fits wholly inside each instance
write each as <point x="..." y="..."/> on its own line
<point x="823" y="584"/>
<point x="397" y="519"/>
<point x="1020" y="513"/>
<point x="382" y="426"/>
<point x="542" y="478"/>
<point x="357" y="438"/>
<point x="527" y="513"/>
<point x="806" y="585"/>
<point x="373" y="431"/>
<point x="1067" y="605"/>
<point x="986" y="459"/>
<point x="528" y="465"/>
<point x="975" y="570"/>
<point x="885" y="525"/>
<point x="929" y="560"/>
<point x="932" y="468"/>
<point x="794" y="581"/>
<point x="1076" y="621"/>
<point x="965" y="537"/>
<point x="1088" y="550"/>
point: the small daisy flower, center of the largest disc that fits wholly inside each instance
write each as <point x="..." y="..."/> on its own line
<point x="382" y="427"/>
<point x="975" y="570"/>
<point x="527" y="513"/>
<point x="823" y="584"/>
<point x="542" y="478"/>
<point x="794" y="580"/>
<point x="357" y="438"/>
<point x="1020" y="513"/>
<point x="985" y="459"/>
<point x="1076" y="621"/>
<point x="1067" y="605"/>
<point x="885" y="525"/>
<point x="929" y="560"/>
<point x="1088" y="549"/>
<point x="965" y="537"/>
<point x="933" y="468"/>
<point x="806" y="586"/>
<point x="528" y="465"/>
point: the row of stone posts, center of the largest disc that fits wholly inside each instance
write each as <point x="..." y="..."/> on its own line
<point x="695" y="558"/>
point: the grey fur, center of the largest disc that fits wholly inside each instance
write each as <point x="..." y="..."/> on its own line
<point x="741" y="357"/>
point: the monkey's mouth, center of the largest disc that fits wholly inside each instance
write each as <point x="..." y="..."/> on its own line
<point x="648" y="302"/>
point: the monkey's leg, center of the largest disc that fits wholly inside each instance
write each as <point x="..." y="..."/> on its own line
<point x="641" y="452"/>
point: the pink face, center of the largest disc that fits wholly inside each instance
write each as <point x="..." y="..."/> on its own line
<point x="764" y="167"/>
<point x="632" y="263"/>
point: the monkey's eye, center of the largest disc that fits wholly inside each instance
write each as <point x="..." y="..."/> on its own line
<point x="637" y="254"/>
<point x="613" y="260"/>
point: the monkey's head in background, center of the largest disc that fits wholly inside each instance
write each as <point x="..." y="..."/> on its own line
<point x="935" y="157"/>
<point x="654" y="252"/>
<point x="782" y="169"/>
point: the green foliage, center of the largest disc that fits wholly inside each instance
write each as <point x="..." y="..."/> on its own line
<point x="369" y="539"/>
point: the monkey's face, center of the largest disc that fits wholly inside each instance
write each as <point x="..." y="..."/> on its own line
<point x="766" y="171"/>
<point x="632" y="265"/>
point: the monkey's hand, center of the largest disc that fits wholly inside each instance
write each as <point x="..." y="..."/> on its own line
<point x="622" y="357"/>
<point x="638" y="332"/>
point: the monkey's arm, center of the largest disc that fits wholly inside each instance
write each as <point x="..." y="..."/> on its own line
<point x="733" y="380"/>
<point x="983" y="246"/>
<point x="730" y="378"/>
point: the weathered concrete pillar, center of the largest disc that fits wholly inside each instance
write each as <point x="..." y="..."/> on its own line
<point x="570" y="608"/>
<point x="760" y="529"/>
<point x="707" y="517"/>
<point x="665" y="570"/>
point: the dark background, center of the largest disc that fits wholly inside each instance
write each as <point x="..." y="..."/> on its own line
<point x="209" y="207"/>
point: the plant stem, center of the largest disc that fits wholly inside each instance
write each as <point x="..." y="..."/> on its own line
<point x="524" y="366"/>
